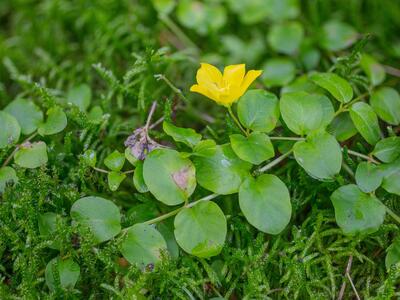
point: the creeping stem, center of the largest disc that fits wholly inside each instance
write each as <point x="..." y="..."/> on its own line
<point x="273" y="163"/>
<point x="392" y="214"/>
<point x="174" y="212"/>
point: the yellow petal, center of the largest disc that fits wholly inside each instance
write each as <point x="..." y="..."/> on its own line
<point x="202" y="90"/>
<point x="234" y="74"/>
<point x="248" y="79"/>
<point x="208" y="75"/>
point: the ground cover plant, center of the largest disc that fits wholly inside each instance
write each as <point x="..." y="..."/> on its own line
<point x="199" y="149"/>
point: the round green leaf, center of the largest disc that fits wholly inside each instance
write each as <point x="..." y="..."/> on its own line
<point x="286" y="37"/>
<point x="47" y="223"/>
<point x="28" y="115"/>
<point x="221" y="172"/>
<point x="278" y="72"/>
<point x="258" y="110"/>
<point x="255" y="148"/>
<point x="184" y="135"/>
<point x="357" y="212"/>
<point x="244" y="50"/>
<point x="62" y="271"/>
<point x="393" y="254"/>
<point x="114" y="179"/>
<point x="386" y="104"/>
<point x="142" y="245"/>
<point x="254" y="11"/>
<point x="201" y="229"/>
<point x="169" y="176"/>
<point x="366" y="122"/>
<point x="375" y="72"/>
<point x="391" y="177"/>
<point x="31" y="155"/>
<point x="320" y="155"/>
<point x="342" y="127"/>
<point x="100" y="215"/>
<point x="115" y="161"/>
<point x="250" y="12"/>
<point x="310" y="56"/>
<point x="55" y="123"/>
<point x="10" y="130"/>
<point x="335" y="85"/>
<point x="388" y="149"/>
<point x="138" y="180"/>
<point x="265" y="202"/>
<point x="368" y="177"/>
<point x="202" y="17"/>
<point x="80" y="96"/>
<point x="7" y="176"/>
<point x="304" y="112"/>
<point x="337" y="36"/>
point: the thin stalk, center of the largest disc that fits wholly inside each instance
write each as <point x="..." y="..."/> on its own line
<point x="363" y="156"/>
<point x="356" y="99"/>
<point x="172" y="86"/>
<point x="176" y="211"/>
<point x="236" y="120"/>
<point x="286" y="138"/>
<point x="340" y="110"/>
<point x="156" y="123"/>
<point x="178" y="32"/>
<point x="274" y="162"/>
<point x="393" y="214"/>
<point x="101" y="170"/>
<point x="150" y="115"/>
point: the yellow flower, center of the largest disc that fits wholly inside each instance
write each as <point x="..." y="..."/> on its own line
<point x="227" y="88"/>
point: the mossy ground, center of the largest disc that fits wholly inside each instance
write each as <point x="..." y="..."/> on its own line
<point x="116" y="47"/>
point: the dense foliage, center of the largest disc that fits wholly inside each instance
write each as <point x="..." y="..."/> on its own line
<point x="118" y="182"/>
